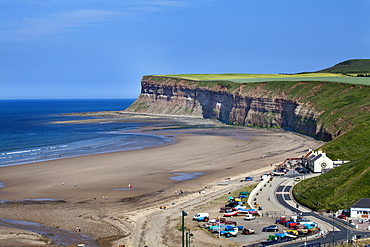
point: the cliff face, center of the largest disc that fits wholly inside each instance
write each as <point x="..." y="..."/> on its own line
<point x="253" y="106"/>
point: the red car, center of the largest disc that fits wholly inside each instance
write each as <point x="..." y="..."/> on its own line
<point x="342" y="216"/>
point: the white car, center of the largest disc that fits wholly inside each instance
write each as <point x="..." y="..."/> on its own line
<point x="249" y="217"/>
<point x="200" y="216"/>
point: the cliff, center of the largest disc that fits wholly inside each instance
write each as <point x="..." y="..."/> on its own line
<point x="264" y="104"/>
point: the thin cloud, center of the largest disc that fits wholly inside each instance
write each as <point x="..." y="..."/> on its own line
<point x="38" y="25"/>
<point x="43" y="26"/>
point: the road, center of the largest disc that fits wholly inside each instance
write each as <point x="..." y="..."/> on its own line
<point x="340" y="233"/>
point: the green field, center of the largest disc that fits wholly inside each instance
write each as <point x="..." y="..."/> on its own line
<point x="250" y="78"/>
<point x="347" y="79"/>
<point x="208" y="77"/>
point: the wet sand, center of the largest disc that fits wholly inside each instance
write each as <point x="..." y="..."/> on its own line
<point x="92" y="191"/>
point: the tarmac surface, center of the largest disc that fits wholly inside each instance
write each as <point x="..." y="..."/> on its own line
<point x="266" y="195"/>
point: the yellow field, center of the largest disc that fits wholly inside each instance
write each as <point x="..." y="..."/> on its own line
<point x="206" y="77"/>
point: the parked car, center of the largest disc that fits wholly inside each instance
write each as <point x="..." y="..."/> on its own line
<point x="229" y="222"/>
<point x="342" y="216"/>
<point x="231" y="204"/>
<point x="247" y="231"/>
<point x="298" y="169"/>
<point x="230" y="233"/>
<point x="272" y="228"/>
<point x="248" y="179"/>
<point x="303" y="171"/>
<point x="346" y="212"/>
<point x="283" y="169"/>
<point x="201" y="217"/>
<point x="249" y="217"/>
<point x="297" y="179"/>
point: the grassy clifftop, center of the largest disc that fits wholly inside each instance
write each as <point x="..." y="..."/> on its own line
<point x="346" y="72"/>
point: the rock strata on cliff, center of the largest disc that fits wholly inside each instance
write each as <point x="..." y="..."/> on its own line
<point x="247" y="104"/>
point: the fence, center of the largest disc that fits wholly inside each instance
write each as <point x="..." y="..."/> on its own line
<point x="275" y="214"/>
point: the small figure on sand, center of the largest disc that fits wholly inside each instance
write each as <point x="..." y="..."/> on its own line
<point x="78" y="229"/>
<point x="129" y="186"/>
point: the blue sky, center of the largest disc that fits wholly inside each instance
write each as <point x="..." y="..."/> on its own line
<point x="101" y="49"/>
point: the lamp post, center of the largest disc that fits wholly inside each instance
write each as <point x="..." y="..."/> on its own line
<point x="188" y="235"/>
<point x="333" y="227"/>
<point x="348" y="214"/>
<point x="331" y="209"/>
<point x="183" y="214"/>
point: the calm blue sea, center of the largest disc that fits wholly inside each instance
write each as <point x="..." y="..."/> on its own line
<point x="27" y="133"/>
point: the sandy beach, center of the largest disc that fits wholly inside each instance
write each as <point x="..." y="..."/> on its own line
<point x="92" y="192"/>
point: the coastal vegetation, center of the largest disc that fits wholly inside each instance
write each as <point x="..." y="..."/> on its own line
<point x="352" y="71"/>
<point x="352" y="67"/>
<point x="340" y="95"/>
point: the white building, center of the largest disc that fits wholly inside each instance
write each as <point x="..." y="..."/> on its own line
<point x="361" y="209"/>
<point x="317" y="161"/>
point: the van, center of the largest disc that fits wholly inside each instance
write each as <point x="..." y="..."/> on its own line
<point x="201" y="216"/>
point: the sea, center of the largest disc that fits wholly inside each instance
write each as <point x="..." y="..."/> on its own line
<point x="28" y="134"/>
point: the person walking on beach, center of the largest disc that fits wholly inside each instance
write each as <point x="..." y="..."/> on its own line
<point x="129" y="186"/>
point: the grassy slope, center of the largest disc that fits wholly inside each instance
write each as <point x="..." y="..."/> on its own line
<point x="343" y="186"/>
<point x="338" y="188"/>
<point x="345" y="108"/>
<point x="352" y="66"/>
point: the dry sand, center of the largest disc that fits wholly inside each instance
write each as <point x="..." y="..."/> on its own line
<point x="93" y="190"/>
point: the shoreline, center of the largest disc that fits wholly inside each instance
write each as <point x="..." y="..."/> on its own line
<point x="70" y="150"/>
<point x="218" y="153"/>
